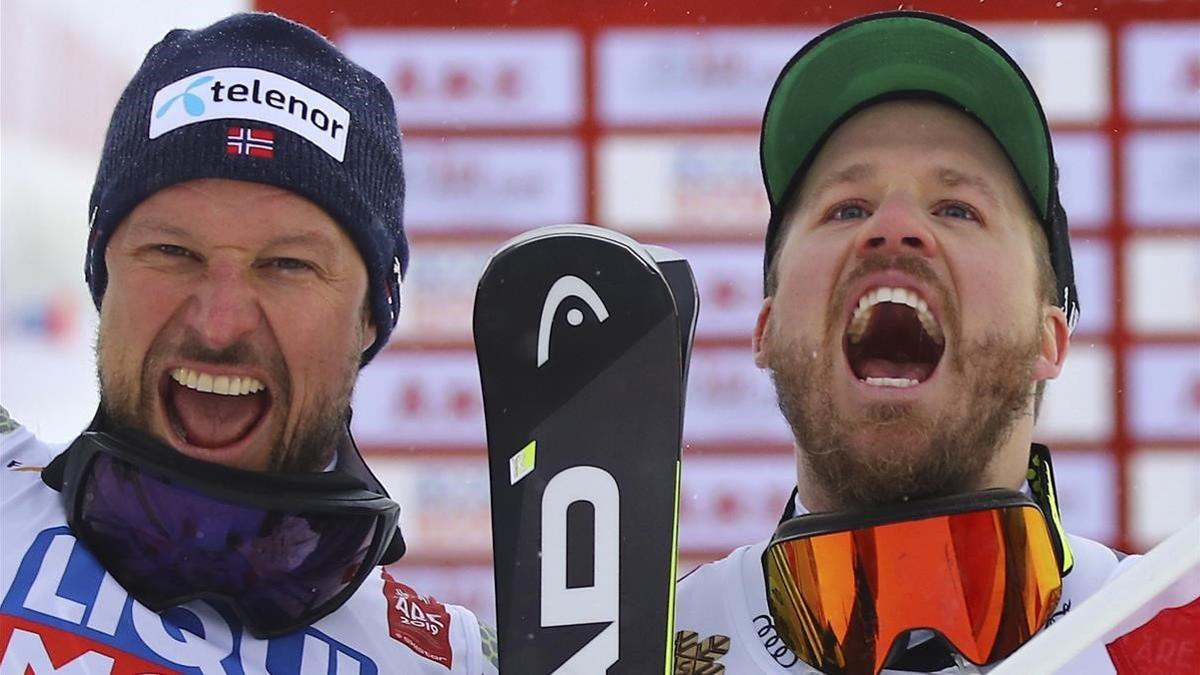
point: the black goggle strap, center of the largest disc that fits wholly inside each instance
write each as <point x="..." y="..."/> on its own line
<point x="54" y="475"/>
<point x="789" y="511"/>
<point x="350" y="460"/>
<point x="1045" y="493"/>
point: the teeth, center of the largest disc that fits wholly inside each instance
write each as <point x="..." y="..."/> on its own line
<point x="217" y="384"/>
<point x="898" y="382"/>
<point x="900" y="296"/>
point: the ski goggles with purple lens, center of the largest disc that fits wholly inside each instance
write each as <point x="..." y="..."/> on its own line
<point x="281" y="550"/>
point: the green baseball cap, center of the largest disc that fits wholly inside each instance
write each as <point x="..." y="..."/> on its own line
<point x="911" y="54"/>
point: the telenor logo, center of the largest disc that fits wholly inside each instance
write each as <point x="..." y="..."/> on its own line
<point x="193" y="104"/>
<point x="253" y="94"/>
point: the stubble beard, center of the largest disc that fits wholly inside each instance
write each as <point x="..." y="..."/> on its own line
<point x="309" y="448"/>
<point x="887" y="453"/>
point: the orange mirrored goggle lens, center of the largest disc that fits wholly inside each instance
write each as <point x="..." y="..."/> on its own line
<point x="986" y="580"/>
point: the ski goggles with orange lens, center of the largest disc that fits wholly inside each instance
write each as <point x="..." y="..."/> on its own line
<point x="981" y="569"/>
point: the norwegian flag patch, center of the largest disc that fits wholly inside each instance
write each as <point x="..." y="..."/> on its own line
<point x="250" y="141"/>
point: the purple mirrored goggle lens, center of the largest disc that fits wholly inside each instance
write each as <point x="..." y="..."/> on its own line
<point x="167" y="543"/>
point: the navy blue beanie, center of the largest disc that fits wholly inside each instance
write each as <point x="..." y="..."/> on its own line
<point x="258" y="98"/>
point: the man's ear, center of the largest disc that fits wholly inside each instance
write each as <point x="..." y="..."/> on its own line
<point x="1055" y="342"/>
<point x="761" y="333"/>
<point x="368" y="333"/>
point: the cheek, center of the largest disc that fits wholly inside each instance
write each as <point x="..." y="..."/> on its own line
<point x="317" y="336"/>
<point x="806" y="285"/>
<point x="1004" y="293"/>
<point x="134" y="311"/>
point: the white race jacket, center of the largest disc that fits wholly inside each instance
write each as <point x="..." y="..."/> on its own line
<point x="60" y="612"/>
<point x="723" y="624"/>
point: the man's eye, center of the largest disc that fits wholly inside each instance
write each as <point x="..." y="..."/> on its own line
<point x="848" y="212"/>
<point x="289" y="264"/>
<point x="959" y="211"/>
<point x="174" y="251"/>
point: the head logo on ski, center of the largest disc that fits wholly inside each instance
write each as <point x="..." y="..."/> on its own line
<point x="566" y="287"/>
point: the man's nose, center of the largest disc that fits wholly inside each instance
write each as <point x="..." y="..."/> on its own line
<point x="898" y="226"/>
<point x="225" y="306"/>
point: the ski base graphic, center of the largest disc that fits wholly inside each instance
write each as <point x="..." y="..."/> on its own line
<point x="582" y="356"/>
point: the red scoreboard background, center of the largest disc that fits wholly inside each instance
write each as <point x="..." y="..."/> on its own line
<point x="643" y="116"/>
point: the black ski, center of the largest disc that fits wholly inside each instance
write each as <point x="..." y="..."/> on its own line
<point x="582" y="357"/>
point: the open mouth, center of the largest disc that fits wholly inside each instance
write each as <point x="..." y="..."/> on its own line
<point x="213" y="411"/>
<point x="893" y="340"/>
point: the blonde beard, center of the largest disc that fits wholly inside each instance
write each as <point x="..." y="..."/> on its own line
<point x="926" y="455"/>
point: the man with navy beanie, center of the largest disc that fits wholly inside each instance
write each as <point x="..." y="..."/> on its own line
<point x="259" y="99"/>
<point x="246" y="255"/>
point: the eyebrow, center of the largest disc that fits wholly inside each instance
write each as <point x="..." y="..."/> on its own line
<point x="955" y="178"/>
<point x="851" y="174"/>
<point x="158" y="227"/>
<point x="948" y="177"/>
<point x="303" y="239"/>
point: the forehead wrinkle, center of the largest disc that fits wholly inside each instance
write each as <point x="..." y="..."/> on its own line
<point x="153" y="225"/>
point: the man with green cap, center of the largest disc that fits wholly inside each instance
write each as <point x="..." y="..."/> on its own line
<point x="918" y="295"/>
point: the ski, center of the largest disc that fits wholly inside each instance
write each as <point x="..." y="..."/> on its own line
<point x="582" y="358"/>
